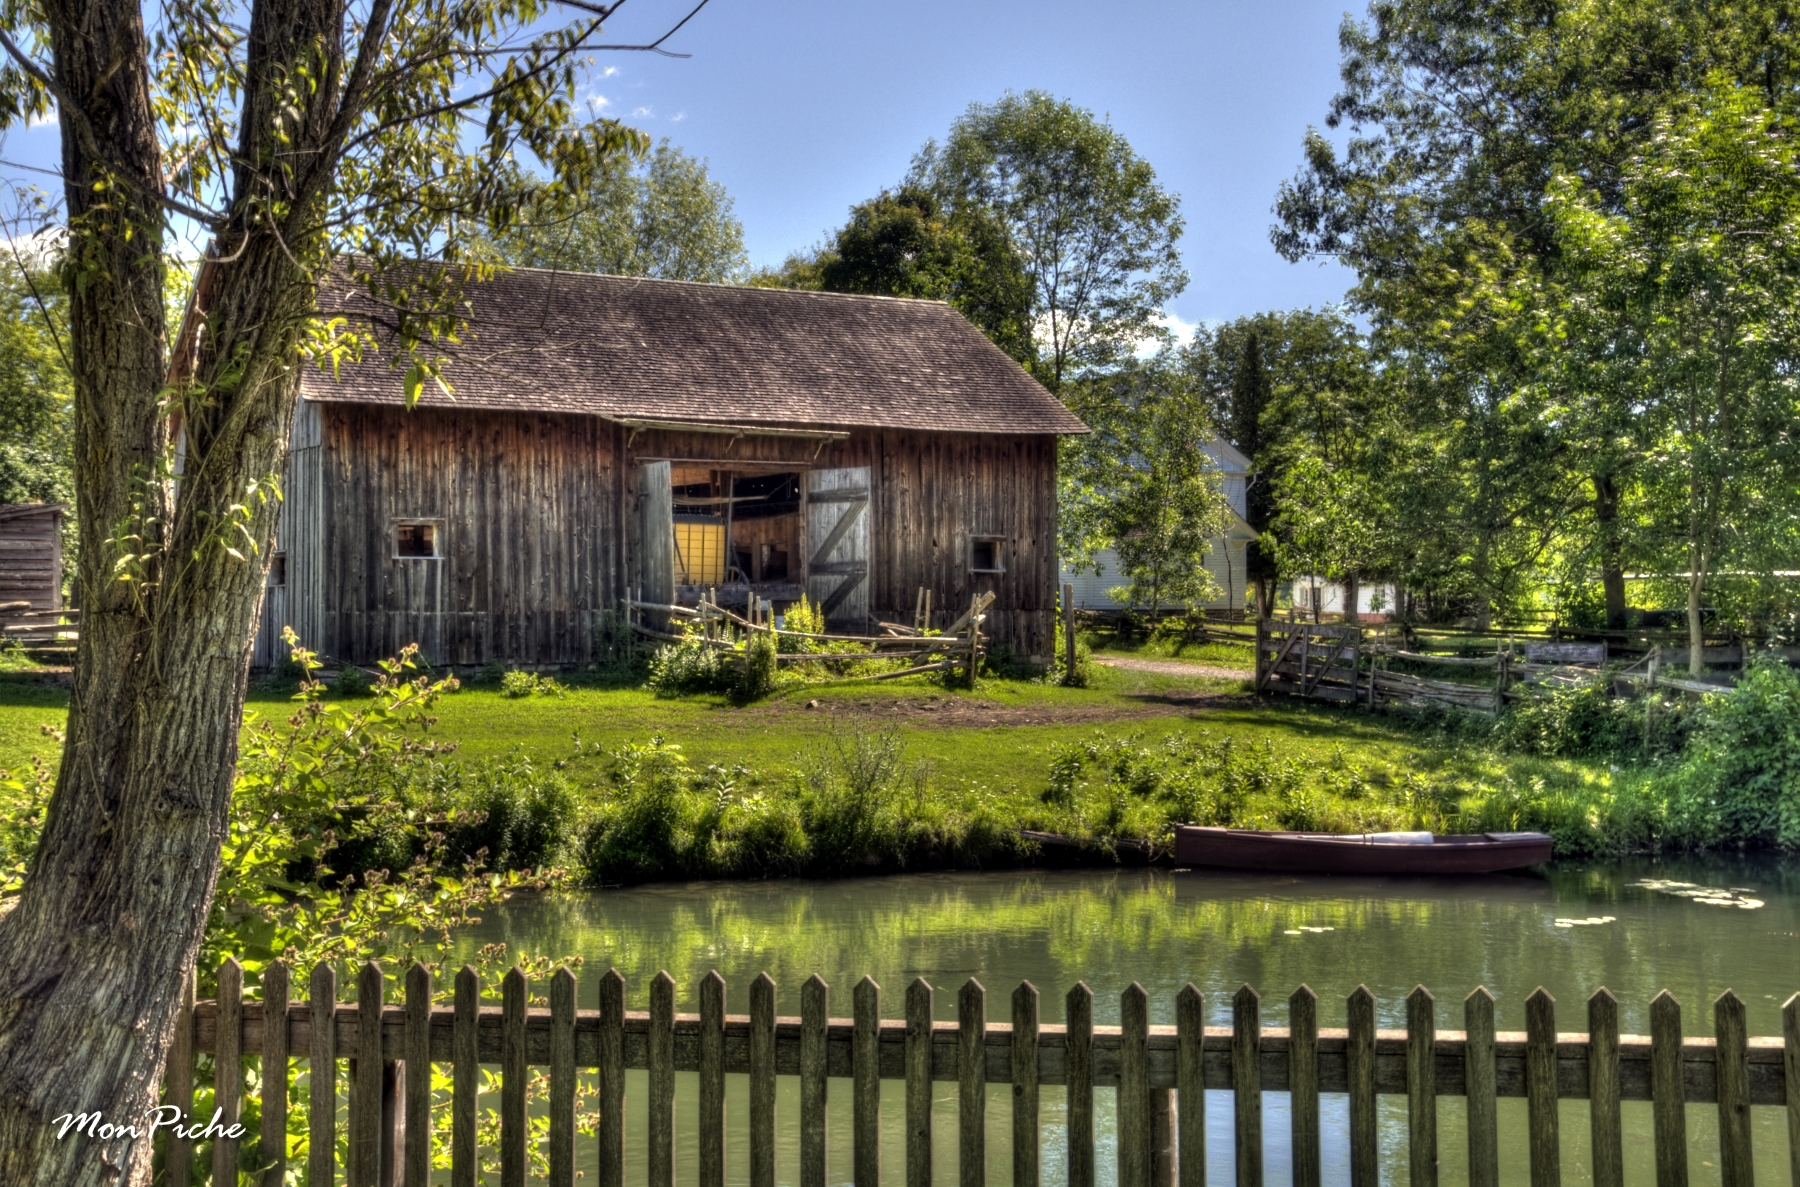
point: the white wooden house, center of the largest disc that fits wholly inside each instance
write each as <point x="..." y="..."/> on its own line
<point x="1225" y="560"/>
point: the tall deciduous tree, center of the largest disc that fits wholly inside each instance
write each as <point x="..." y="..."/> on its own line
<point x="904" y="244"/>
<point x="1699" y="270"/>
<point x="661" y="215"/>
<point x="1142" y="482"/>
<point x="1097" y="234"/>
<point x="1458" y="117"/>
<point x="290" y="134"/>
<point x="1282" y="385"/>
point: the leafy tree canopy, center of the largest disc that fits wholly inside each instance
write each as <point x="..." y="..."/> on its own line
<point x="36" y="390"/>
<point x="1095" y="232"/>
<point x="903" y="244"/>
<point x="1142" y="482"/>
<point x="660" y="215"/>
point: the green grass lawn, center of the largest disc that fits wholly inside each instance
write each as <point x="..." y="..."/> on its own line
<point x="1000" y="736"/>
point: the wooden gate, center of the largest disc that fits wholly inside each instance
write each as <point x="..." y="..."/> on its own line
<point x="837" y="544"/>
<point x="1309" y="659"/>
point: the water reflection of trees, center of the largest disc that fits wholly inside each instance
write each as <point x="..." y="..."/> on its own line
<point x="1217" y="930"/>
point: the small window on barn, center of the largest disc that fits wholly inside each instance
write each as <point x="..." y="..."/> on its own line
<point x="986" y="556"/>
<point x="278" y="569"/>
<point x="417" y="541"/>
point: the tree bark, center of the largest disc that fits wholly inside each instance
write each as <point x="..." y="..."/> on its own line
<point x="1612" y="570"/>
<point x="1352" y="591"/>
<point x="117" y="897"/>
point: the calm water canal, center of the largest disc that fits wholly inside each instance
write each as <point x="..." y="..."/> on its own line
<point x="1692" y="927"/>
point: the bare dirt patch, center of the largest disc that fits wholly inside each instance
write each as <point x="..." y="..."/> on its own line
<point x="1169" y="667"/>
<point x="929" y="712"/>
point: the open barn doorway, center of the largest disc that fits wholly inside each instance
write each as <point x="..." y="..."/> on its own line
<point x="737" y="533"/>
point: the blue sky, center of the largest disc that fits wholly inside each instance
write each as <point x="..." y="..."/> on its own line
<point x="805" y="107"/>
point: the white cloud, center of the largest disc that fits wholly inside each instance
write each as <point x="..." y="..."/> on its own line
<point x="1180" y="329"/>
<point x="42" y="121"/>
<point x="609" y="72"/>
<point x="1176" y="325"/>
<point x="597" y="102"/>
<point x="678" y="117"/>
<point x="640" y="111"/>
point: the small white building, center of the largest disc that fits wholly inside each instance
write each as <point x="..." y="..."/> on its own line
<point x="1225" y="561"/>
<point x="1373" y="600"/>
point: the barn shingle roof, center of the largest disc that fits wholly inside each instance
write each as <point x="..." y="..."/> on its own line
<point x="618" y="346"/>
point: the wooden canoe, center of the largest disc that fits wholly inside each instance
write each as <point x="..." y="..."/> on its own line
<point x="1365" y="853"/>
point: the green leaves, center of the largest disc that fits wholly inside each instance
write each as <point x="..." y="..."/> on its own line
<point x="657" y="215"/>
<point x="1142" y="482"/>
<point x="1094" y="230"/>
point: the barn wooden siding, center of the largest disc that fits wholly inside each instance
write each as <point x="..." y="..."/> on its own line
<point x="31" y="554"/>
<point x="299" y="538"/>
<point x="539" y="520"/>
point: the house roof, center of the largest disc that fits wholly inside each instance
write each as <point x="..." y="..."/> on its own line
<point x="614" y="346"/>
<point x="1227" y="456"/>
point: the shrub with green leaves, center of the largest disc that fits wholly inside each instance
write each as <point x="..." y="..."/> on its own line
<point x="805" y="618"/>
<point x="758" y="674"/>
<point x="507" y="813"/>
<point x="653" y="820"/>
<point x="1738" y="781"/>
<point x="326" y="856"/>
<point x="690" y="666"/>
<point x="525" y="684"/>
<point x="1592" y="721"/>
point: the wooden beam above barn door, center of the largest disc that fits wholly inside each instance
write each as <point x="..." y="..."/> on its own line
<point x="638" y="425"/>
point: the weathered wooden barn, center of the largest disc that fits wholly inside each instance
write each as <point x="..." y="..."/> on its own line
<point x="31" y="555"/>
<point x="608" y="435"/>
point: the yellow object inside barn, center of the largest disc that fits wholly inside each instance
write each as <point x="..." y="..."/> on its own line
<point x="699" y="553"/>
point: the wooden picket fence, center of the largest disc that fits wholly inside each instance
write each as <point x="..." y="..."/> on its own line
<point x="1160" y="1074"/>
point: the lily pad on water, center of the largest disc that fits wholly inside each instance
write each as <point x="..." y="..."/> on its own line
<point x="1710" y="896"/>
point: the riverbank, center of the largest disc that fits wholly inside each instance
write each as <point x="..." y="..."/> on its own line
<point x="616" y="784"/>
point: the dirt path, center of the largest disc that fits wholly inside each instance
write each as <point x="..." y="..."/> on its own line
<point x="957" y="713"/>
<point x="1168" y="667"/>
<point x="941" y="712"/>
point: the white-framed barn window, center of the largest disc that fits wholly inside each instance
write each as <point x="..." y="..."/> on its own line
<point x="418" y="539"/>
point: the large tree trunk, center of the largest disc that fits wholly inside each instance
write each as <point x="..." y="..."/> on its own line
<point x="1352" y="591"/>
<point x="1612" y="570"/>
<point x="115" y="904"/>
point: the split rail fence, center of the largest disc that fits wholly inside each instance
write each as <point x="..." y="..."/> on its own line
<point x="957" y="645"/>
<point x="21" y="624"/>
<point x="1160" y="1074"/>
<point x="1331" y="661"/>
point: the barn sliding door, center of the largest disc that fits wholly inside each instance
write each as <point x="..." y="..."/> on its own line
<point x="655" y="571"/>
<point x="837" y="545"/>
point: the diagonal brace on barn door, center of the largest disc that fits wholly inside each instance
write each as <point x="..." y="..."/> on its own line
<point x="852" y="512"/>
<point x="855" y="504"/>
